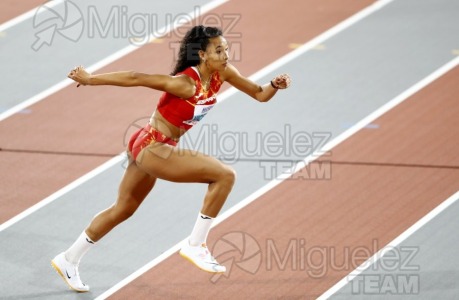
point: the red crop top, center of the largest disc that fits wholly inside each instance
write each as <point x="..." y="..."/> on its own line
<point x="184" y="113"/>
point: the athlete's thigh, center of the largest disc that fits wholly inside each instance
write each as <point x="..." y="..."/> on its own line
<point x="136" y="184"/>
<point x="179" y="165"/>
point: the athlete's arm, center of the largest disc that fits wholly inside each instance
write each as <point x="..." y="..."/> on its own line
<point x="260" y="93"/>
<point x="181" y="86"/>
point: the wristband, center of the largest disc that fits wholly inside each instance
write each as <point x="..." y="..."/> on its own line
<point x="272" y="84"/>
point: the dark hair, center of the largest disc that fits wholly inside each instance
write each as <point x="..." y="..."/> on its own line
<point x="197" y="38"/>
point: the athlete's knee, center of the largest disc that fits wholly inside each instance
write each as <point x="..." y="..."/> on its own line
<point x="228" y="175"/>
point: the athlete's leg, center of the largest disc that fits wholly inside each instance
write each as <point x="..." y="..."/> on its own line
<point x="182" y="165"/>
<point x="169" y="163"/>
<point x="134" y="188"/>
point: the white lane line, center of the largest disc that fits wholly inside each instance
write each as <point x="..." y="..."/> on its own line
<point x="63" y="191"/>
<point x="231" y="91"/>
<point x="263" y="72"/>
<point x="108" y="60"/>
<point x="317" y="40"/>
<point x="257" y="194"/>
<point x="204" y="9"/>
<point x="378" y="255"/>
<point x="345" y="135"/>
<point x="28" y="14"/>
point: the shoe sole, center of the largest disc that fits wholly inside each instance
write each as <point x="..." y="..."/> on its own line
<point x="192" y="261"/>
<point x="58" y="270"/>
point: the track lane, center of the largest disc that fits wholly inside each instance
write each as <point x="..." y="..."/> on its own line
<point x="41" y="59"/>
<point x="418" y="248"/>
<point x="82" y="114"/>
<point x="11" y="9"/>
<point x="361" y="207"/>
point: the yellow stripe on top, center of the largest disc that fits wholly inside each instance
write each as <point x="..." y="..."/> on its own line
<point x="190" y="102"/>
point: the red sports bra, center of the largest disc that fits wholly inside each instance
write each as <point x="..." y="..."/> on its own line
<point x="184" y="113"/>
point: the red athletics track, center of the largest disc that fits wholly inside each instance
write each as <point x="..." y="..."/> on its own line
<point x="73" y="131"/>
<point x="383" y="181"/>
<point x="11" y="9"/>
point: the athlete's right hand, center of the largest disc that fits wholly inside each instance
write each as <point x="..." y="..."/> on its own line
<point x="281" y="82"/>
<point x="80" y="75"/>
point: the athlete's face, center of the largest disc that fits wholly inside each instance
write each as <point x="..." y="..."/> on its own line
<point x="216" y="54"/>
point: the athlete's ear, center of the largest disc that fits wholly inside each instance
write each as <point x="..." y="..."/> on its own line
<point x="202" y="55"/>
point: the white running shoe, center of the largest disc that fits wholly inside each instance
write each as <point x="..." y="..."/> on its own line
<point x="200" y="256"/>
<point x="69" y="272"/>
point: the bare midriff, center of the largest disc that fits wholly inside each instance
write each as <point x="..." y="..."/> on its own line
<point x="158" y="122"/>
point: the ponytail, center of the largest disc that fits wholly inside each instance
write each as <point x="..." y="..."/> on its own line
<point x="197" y="38"/>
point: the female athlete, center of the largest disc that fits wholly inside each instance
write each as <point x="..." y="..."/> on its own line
<point x="189" y="93"/>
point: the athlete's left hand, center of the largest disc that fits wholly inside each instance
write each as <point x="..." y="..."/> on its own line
<point x="282" y="81"/>
<point x="80" y="75"/>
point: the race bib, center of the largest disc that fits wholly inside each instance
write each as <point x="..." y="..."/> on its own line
<point x="199" y="112"/>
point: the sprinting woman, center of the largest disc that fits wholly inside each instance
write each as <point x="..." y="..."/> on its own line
<point x="190" y="91"/>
